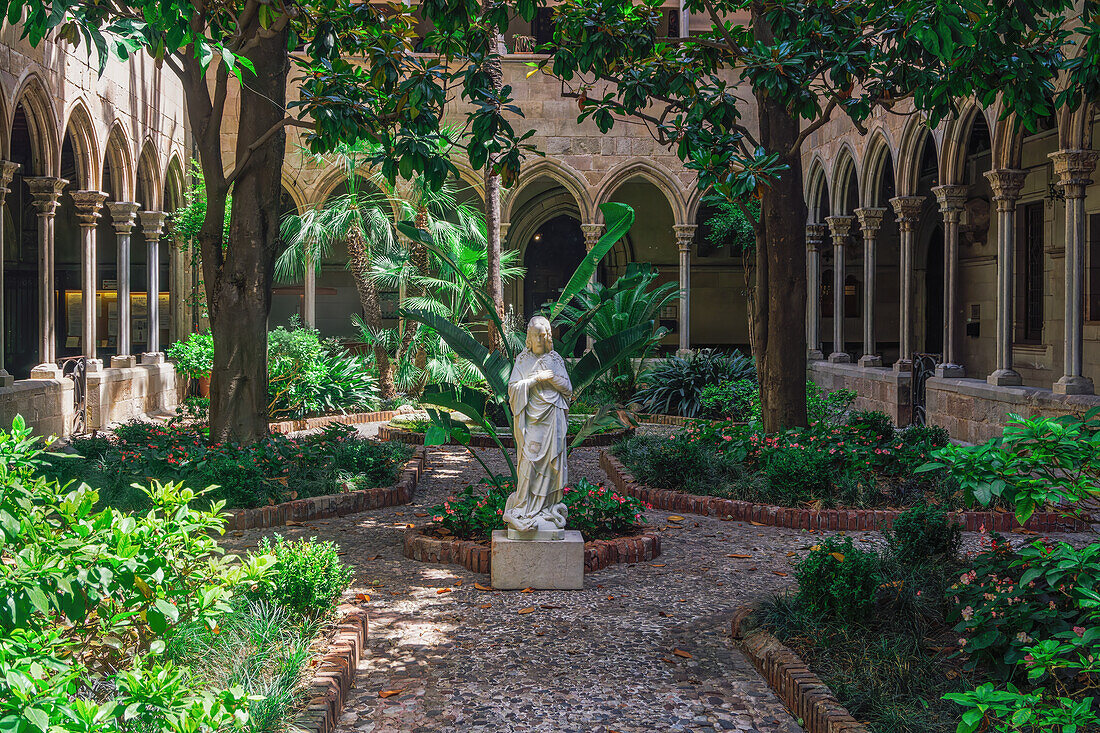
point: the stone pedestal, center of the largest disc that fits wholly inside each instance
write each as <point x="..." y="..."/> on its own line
<point x="46" y="370"/>
<point x="152" y="357"/>
<point x="539" y="564"/>
<point x="123" y="362"/>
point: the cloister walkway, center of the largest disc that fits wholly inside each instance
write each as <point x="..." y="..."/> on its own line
<point x="598" y="660"/>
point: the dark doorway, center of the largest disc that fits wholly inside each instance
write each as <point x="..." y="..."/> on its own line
<point x="933" y="288"/>
<point x="553" y="253"/>
<point x="21" y="278"/>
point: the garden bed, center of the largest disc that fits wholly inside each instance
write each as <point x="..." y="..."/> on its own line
<point x="334" y="673"/>
<point x="425" y="545"/>
<point x="824" y="519"/>
<point x="311" y="423"/>
<point x="481" y="440"/>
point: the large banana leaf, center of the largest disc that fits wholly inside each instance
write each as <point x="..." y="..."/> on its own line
<point x="618" y="218"/>
<point x="491" y="364"/>
<point x="469" y="402"/>
<point x="608" y="352"/>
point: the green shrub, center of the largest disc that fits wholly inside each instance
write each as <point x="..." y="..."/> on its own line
<point x="676" y="463"/>
<point x="737" y="400"/>
<point x="828" y="408"/>
<point x="836" y="580"/>
<point x="675" y="386"/>
<point x="194" y="357"/>
<point x="925" y="532"/>
<point x="876" y="424"/>
<point x="307" y="577"/>
<point x="796" y="476"/>
<point x="307" y="376"/>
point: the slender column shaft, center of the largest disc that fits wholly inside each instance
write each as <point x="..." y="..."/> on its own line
<point x="592" y="234"/>
<point x="951" y="199"/>
<point x="870" y="221"/>
<point x="1006" y="186"/>
<point x="685" y="235"/>
<point x="7" y="170"/>
<point x="907" y="209"/>
<point x="1074" y="167"/>
<point x="152" y="223"/>
<point x="839" y="226"/>
<point x="123" y="217"/>
<point x="309" y="307"/>
<point x="88" y="205"/>
<point x="45" y="192"/>
<point x="815" y="238"/>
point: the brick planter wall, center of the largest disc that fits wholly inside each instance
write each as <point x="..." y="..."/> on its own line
<point x="804" y="694"/>
<point x="351" y="418"/>
<point x="334" y="675"/>
<point x="846" y="519"/>
<point x="334" y="505"/>
<point x="480" y="440"/>
<point x="474" y="556"/>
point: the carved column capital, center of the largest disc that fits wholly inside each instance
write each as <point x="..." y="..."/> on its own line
<point x="1074" y="168"/>
<point x="840" y="226"/>
<point x="952" y="199"/>
<point x="1006" y="184"/>
<point x="89" y="205"/>
<point x="592" y="234"/>
<point x="123" y="215"/>
<point x="907" y="209"/>
<point x="7" y="170"/>
<point x="685" y="234"/>
<point x="870" y="219"/>
<point x="815" y="236"/>
<point x="152" y="223"/>
<point x="45" y="191"/>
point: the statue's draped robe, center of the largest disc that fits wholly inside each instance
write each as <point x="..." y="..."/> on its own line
<point x="541" y="413"/>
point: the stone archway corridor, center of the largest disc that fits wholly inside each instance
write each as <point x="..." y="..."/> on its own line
<point x="593" y="661"/>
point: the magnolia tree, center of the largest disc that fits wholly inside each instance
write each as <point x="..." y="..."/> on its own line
<point x="360" y="81"/>
<point x="792" y="66"/>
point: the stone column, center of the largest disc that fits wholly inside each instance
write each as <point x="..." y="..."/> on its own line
<point x="7" y="170"/>
<point x="951" y="199"/>
<point x="45" y="191"/>
<point x="907" y="209"/>
<point x="152" y="223"/>
<point x="870" y="221"/>
<point x="815" y="240"/>
<point x="840" y="226"/>
<point x="309" y="304"/>
<point x="88" y="206"/>
<point x="1006" y="186"/>
<point x="592" y="234"/>
<point x="123" y="216"/>
<point x="1074" y="168"/>
<point x="685" y="235"/>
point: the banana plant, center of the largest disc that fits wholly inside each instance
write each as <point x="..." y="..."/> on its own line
<point x="496" y="366"/>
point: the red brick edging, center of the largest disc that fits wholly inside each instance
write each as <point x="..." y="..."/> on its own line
<point x="794" y="518"/>
<point x="480" y="440"/>
<point x="804" y="694"/>
<point x="334" y="505"/>
<point x="475" y="557"/>
<point x="334" y="675"/>
<point x="309" y="423"/>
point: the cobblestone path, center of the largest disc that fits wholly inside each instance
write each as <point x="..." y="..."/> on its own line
<point x="593" y="661"/>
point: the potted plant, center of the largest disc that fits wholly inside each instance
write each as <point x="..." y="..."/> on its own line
<point x="194" y="359"/>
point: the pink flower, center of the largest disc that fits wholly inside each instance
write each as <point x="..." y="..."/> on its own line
<point x="1079" y="630"/>
<point x="1030" y="660"/>
<point x="967" y="613"/>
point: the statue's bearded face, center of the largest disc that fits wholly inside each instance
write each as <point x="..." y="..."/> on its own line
<point x="540" y="339"/>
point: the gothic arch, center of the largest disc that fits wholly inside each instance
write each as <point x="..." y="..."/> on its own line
<point x="290" y="185"/>
<point x="917" y="134"/>
<point x="32" y="94"/>
<point x="121" y="160"/>
<point x="844" y="172"/>
<point x="148" y="177"/>
<point x="956" y="141"/>
<point x="661" y="179"/>
<point x="879" y="153"/>
<point x="81" y="132"/>
<point x="817" y="191"/>
<point x="559" y="173"/>
<point x="173" y="185"/>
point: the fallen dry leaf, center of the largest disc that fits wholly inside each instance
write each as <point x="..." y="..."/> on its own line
<point x="363" y="597"/>
<point x="838" y="555"/>
<point x="399" y="514"/>
<point x="443" y="590"/>
<point x="528" y="590"/>
<point x="656" y="565"/>
<point x="529" y="609"/>
<point x="549" y="606"/>
<point x="739" y="555"/>
<point x="479" y="586"/>
<point x="757" y="524"/>
<point x="420" y="514"/>
<point x="675" y="518"/>
<point x="457" y="583"/>
<point x="779" y="573"/>
<point x="682" y="653"/>
<point x="669" y="660"/>
<point x="791" y="554"/>
<point x="486" y="605"/>
<point x="390" y="693"/>
<point x="290" y="524"/>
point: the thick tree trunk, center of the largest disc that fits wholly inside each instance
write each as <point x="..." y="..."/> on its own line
<point x="780" y="319"/>
<point x="372" y="310"/>
<point x="239" y="290"/>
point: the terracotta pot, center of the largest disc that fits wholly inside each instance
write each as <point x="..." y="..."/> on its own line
<point x="204" y="386"/>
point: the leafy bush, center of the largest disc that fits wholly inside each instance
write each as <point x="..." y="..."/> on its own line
<point x="307" y="576"/>
<point x="838" y="580"/>
<point x="675" y="386"/>
<point x="275" y="469"/>
<point x="194" y="357"/>
<point x="925" y="532"/>
<point x="738" y="401"/>
<point x="873" y="423"/>
<point x="594" y="511"/>
<point x="307" y="376"/>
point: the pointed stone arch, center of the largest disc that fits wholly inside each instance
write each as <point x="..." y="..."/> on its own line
<point x="817" y="192"/>
<point x="33" y="96"/>
<point x="655" y="174"/>
<point x="80" y="130"/>
<point x="956" y="142"/>
<point x="148" y="181"/>
<point x="878" y="160"/>
<point x="174" y="184"/>
<point x="120" y="159"/>
<point x="845" y="173"/>
<point x="562" y="174"/>
<point x="917" y="134"/>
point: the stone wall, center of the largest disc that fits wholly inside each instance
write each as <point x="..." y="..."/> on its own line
<point x="118" y="395"/>
<point x="877" y="388"/>
<point x="45" y="404"/>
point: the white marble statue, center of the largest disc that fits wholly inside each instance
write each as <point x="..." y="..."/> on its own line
<point x="539" y="392"/>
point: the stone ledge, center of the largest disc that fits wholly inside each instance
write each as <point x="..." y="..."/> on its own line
<point x="475" y="557"/>
<point x="334" y="675"/>
<point x="826" y="519"/>
<point x="311" y="423"/>
<point x="334" y="505"/>
<point x="801" y="690"/>
<point x="480" y="440"/>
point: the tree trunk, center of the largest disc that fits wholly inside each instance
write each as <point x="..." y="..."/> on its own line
<point x="372" y="310"/>
<point x="780" y="332"/>
<point x="239" y="283"/>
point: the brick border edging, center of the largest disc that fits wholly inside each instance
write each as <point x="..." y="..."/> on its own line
<point x="334" y="505"/>
<point x="310" y="423"/>
<point x="803" y="692"/>
<point x="334" y="675"/>
<point x="478" y="440"/>
<point x="475" y="557"/>
<point x="827" y="519"/>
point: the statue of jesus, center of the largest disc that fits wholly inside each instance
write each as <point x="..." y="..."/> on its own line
<point x="539" y="392"/>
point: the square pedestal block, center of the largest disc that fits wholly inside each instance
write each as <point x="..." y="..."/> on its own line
<point x="539" y="564"/>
